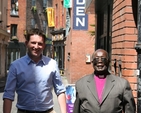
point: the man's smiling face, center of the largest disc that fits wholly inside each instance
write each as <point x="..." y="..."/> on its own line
<point x="100" y="62"/>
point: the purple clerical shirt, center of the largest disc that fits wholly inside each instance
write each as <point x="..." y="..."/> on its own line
<point x="100" y="83"/>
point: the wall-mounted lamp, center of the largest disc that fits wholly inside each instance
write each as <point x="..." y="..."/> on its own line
<point x="88" y="58"/>
<point x="8" y="26"/>
<point x="25" y="33"/>
<point x="68" y="57"/>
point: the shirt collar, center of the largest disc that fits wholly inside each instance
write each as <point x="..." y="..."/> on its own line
<point x="29" y="60"/>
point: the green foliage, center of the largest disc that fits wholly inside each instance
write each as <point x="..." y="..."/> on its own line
<point x="34" y="8"/>
<point x="93" y="25"/>
<point x="17" y="9"/>
<point x="92" y="32"/>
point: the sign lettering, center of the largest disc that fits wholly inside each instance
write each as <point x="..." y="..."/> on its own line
<point x="80" y="19"/>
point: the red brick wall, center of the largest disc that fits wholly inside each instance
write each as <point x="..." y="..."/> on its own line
<point x="20" y="20"/>
<point x="60" y="14"/>
<point x="78" y="44"/>
<point x="124" y="39"/>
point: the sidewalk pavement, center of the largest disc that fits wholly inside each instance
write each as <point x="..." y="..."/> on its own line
<point x="64" y="80"/>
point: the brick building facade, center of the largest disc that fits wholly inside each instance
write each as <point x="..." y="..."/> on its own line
<point x="114" y="26"/>
<point x="22" y="16"/>
<point x="115" y="31"/>
<point x="118" y="20"/>
<point x="113" y="21"/>
<point x="16" y="19"/>
<point x="124" y="39"/>
<point x="16" y="26"/>
<point x="77" y="43"/>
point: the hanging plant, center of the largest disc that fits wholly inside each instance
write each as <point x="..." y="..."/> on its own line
<point x="45" y="10"/>
<point x="92" y="33"/>
<point x="34" y="8"/>
<point x="17" y="9"/>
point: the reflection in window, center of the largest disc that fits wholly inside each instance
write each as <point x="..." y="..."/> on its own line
<point x="13" y="54"/>
<point x="33" y="2"/>
<point x="44" y="3"/>
<point x="14" y="7"/>
<point x="59" y="56"/>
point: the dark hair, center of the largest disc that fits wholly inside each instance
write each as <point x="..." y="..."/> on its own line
<point x="35" y="31"/>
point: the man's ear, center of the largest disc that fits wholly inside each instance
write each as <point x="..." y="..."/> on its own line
<point x="44" y="45"/>
<point x="92" y="58"/>
<point x="26" y="42"/>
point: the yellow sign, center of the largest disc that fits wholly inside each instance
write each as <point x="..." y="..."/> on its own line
<point x="50" y="17"/>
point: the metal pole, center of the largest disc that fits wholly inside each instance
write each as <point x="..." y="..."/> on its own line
<point x="138" y="49"/>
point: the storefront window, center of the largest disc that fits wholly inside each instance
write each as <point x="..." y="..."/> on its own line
<point x="59" y="55"/>
<point x="13" y="54"/>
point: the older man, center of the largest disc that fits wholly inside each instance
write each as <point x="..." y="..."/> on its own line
<point x="102" y="92"/>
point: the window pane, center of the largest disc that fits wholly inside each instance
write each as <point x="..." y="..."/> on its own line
<point x="33" y="2"/>
<point x="44" y="3"/>
<point x="13" y="30"/>
<point x="14" y="7"/>
<point x="13" y="54"/>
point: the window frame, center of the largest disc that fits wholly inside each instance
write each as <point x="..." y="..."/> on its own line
<point x="33" y="2"/>
<point x="44" y="4"/>
<point x="13" y="30"/>
<point x="14" y="8"/>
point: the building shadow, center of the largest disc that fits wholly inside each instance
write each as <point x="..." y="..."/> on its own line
<point x="1" y="89"/>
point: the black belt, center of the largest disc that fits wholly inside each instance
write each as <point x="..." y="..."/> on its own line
<point x="29" y="111"/>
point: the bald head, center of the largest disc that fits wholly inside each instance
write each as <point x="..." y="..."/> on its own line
<point x="99" y="51"/>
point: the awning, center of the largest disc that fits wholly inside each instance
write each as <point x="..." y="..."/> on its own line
<point x="59" y="31"/>
<point x="89" y="6"/>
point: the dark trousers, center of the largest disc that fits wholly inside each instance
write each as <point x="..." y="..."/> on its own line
<point x="25" y="111"/>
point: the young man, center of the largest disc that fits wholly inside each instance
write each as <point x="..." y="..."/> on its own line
<point x="102" y="92"/>
<point x="33" y="77"/>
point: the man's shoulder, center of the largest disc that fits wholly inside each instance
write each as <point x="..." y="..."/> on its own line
<point x="118" y="78"/>
<point x="84" y="78"/>
<point x="48" y="59"/>
<point x="22" y="59"/>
